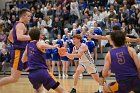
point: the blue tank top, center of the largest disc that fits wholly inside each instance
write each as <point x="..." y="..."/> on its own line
<point x="48" y="53"/>
<point x="122" y="64"/>
<point x="36" y="58"/>
<point x="65" y="38"/>
<point x="18" y="44"/>
<point x="60" y="42"/>
<point x="70" y="45"/>
<point x="83" y="40"/>
<point x="85" y="36"/>
<point x="91" y="46"/>
<point x="98" y="31"/>
<point x="55" y="55"/>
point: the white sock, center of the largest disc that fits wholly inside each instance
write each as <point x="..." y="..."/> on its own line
<point x="42" y="91"/>
<point x="100" y="88"/>
<point x="74" y="87"/>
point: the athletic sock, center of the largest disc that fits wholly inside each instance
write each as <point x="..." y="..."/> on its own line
<point x="100" y="88"/>
<point x="43" y="91"/>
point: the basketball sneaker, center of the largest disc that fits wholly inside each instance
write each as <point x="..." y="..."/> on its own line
<point x="67" y="76"/>
<point x="98" y="92"/>
<point x="63" y="76"/>
<point x="59" y="75"/>
<point x="73" y="90"/>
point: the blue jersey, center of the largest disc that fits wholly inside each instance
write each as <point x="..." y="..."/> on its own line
<point x="83" y="40"/>
<point x="78" y="31"/>
<point x="48" y="54"/>
<point x="36" y="58"/>
<point x="70" y="45"/>
<point x="55" y="55"/>
<point x="91" y="46"/>
<point x="122" y="64"/>
<point x="65" y="38"/>
<point x="60" y="42"/>
<point x="85" y="36"/>
<point x="18" y="44"/>
<point x="95" y="40"/>
<point x="98" y="31"/>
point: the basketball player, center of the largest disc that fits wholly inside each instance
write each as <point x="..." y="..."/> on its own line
<point x="18" y="36"/>
<point x="124" y="62"/>
<point x="107" y="37"/>
<point x="39" y="73"/>
<point x="86" y="61"/>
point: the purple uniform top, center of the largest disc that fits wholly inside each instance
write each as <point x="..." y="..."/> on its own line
<point x="36" y="58"/>
<point x="18" y="44"/>
<point x="122" y="64"/>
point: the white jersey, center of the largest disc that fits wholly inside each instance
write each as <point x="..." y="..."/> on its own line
<point x="87" y="61"/>
<point x="86" y="57"/>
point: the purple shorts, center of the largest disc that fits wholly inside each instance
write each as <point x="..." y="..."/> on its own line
<point x="133" y="84"/>
<point x="16" y="62"/>
<point x="43" y="77"/>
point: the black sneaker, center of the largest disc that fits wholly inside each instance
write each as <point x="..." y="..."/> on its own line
<point x="98" y="92"/>
<point x="73" y="90"/>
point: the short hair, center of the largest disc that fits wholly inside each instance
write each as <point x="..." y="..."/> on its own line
<point x="118" y="38"/>
<point x="23" y="11"/>
<point x="116" y="28"/>
<point x="78" y="36"/>
<point x="34" y="33"/>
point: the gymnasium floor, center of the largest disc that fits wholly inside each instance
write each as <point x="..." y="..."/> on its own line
<point x="85" y="85"/>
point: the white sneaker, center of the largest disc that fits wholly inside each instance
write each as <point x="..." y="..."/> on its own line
<point x="73" y="75"/>
<point x="67" y="76"/>
<point x="100" y="88"/>
<point x="59" y="75"/>
<point x="81" y="76"/>
<point x="63" y="76"/>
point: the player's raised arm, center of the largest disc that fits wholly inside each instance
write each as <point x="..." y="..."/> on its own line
<point x="132" y="39"/>
<point x="96" y="36"/>
<point x="43" y="45"/>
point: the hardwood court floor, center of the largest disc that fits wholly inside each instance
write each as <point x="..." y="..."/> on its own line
<point x="85" y="85"/>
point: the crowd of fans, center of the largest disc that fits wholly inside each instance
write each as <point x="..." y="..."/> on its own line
<point x="58" y="20"/>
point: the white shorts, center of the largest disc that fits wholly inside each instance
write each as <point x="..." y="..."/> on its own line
<point x="104" y="42"/>
<point x="89" y="67"/>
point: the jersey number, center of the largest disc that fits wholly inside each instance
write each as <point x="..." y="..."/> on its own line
<point x="120" y="57"/>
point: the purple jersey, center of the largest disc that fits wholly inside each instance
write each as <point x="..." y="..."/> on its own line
<point x="122" y="64"/>
<point x="36" y="58"/>
<point x="18" y="44"/>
